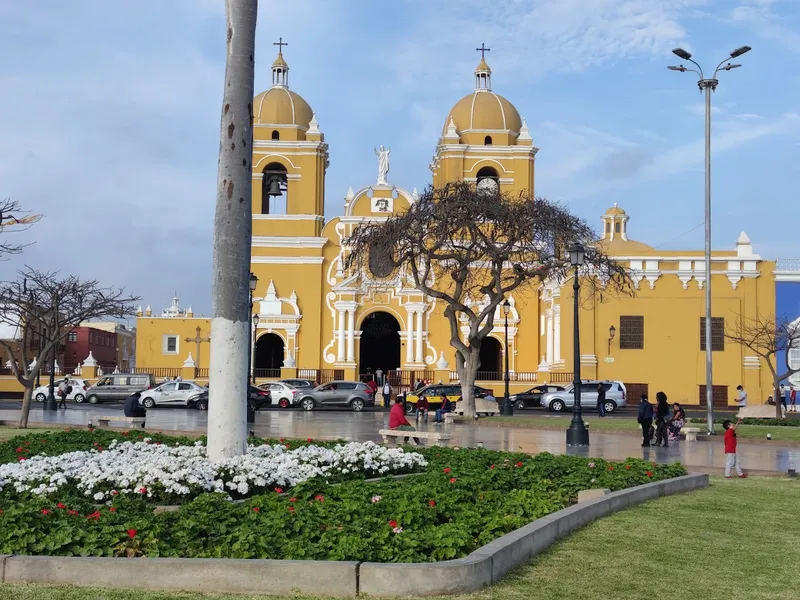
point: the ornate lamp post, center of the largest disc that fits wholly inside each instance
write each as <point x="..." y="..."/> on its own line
<point x="251" y="414"/>
<point x="708" y="85"/>
<point x="508" y="409"/>
<point x="612" y="331"/>
<point x="577" y="434"/>
<point x="253" y="357"/>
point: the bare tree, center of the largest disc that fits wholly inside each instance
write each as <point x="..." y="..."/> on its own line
<point x="230" y="324"/>
<point x="13" y="220"/>
<point x="45" y="307"/>
<point x="768" y="336"/>
<point x="470" y="248"/>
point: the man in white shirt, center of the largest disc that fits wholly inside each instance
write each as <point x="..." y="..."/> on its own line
<point x="742" y="399"/>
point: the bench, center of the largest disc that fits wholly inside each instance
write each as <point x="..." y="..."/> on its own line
<point x="690" y="433"/>
<point x="390" y="436"/>
<point x="105" y="421"/>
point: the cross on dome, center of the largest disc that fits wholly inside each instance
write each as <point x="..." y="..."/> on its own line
<point x="280" y="69"/>
<point x="483" y="49"/>
<point x="483" y="74"/>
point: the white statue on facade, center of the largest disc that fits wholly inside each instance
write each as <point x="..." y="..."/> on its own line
<point x="383" y="163"/>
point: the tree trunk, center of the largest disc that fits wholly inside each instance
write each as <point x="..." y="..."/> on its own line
<point x="467" y="371"/>
<point x="26" y="405"/>
<point x="778" y="399"/>
<point x="231" y="321"/>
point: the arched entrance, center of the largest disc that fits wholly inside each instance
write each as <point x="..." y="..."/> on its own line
<point x="491" y="368"/>
<point x="380" y="343"/>
<point x="269" y="355"/>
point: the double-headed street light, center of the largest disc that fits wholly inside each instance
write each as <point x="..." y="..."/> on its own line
<point x="708" y="86"/>
<point x="577" y="434"/>
<point x="508" y="409"/>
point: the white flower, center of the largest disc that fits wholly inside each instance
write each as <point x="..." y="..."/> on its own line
<point x="376" y="499"/>
<point x="397" y="530"/>
<point x="591" y="465"/>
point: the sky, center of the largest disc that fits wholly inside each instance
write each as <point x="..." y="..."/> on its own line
<point x="109" y="116"/>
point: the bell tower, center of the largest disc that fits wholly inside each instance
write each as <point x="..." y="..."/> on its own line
<point x="485" y="141"/>
<point x="290" y="158"/>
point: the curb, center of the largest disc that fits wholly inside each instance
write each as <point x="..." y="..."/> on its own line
<point x="484" y="567"/>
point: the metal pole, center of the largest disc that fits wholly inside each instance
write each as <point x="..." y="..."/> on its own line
<point x="507" y="402"/>
<point x="577" y="434"/>
<point x="50" y="402"/>
<point x="251" y="376"/>
<point x="708" y="85"/>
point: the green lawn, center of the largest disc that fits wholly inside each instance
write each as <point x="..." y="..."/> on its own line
<point x="7" y="432"/>
<point x="630" y="426"/>
<point x="733" y="541"/>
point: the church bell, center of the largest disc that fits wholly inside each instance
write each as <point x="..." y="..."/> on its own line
<point x="274" y="186"/>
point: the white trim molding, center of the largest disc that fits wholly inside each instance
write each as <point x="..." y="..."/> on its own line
<point x="260" y="217"/>
<point x="752" y="363"/>
<point x="287" y="260"/>
<point x="263" y="241"/>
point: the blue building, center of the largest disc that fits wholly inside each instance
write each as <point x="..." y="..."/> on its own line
<point x="787" y="304"/>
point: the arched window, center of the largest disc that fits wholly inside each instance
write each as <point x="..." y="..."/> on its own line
<point x="276" y="135"/>
<point x="487" y="141"/>
<point x="274" y="190"/>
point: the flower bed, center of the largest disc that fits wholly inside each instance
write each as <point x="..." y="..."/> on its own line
<point x="753" y="421"/>
<point x="462" y="500"/>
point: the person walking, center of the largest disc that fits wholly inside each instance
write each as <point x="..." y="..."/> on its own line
<point x="793" y="399"/>
<point x="645" y="419"/>
<point x="387" y="394"/>
<point x="397" y="420"/>
<point x="601" y="400"/>
<point x="662" y="420"/>
<point x="742" y="398"/>
<point x="785" y="397"/>
<point x="379" y="376"/>
<point x="64" y="390"/>
<point x="731" y="458"/>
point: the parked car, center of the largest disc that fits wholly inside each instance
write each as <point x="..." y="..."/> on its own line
<point x="256" y="398"/>
<point x="434" y="392"/>
<point x="282" y="393"/>
<point x="533" y="397"/>
<point x="118" y="386"/>
<point x="300" y="384"/>
<point x="78" y="393"/>
<point x="559" y="400"/>
<point x="353" y="394"/>
<point x="172" y="393"/>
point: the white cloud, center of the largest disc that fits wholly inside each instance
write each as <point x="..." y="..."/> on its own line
<point x="699" y="109"/>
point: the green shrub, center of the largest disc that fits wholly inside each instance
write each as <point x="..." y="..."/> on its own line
<point x="753" y="421"/>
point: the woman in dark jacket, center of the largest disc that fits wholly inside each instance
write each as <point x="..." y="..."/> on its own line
<point x="662" y="419"/>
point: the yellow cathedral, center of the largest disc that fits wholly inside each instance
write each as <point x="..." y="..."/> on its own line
<point x="315" y="319"/>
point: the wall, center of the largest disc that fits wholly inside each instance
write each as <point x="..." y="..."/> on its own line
<point x="150" y="332"/>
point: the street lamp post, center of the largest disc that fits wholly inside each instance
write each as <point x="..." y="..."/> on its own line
<point x="577" y="434"/>
<point x="508" y="408"/>
<point x="708" y="85"/>
<point x="253" y="349"/>
<point x="251" y="413"/>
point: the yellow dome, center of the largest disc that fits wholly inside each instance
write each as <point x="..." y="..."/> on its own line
<point x="620" y="247"/>
<point x="484" y="110"/>
<point x="279" y="62"/>
<point x="281" y="106"/>
<point x="615" y="210"/>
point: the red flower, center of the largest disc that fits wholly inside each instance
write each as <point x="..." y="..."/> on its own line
<point x="131" y="533"/>
<point x="124" y="434"/>
<point x="20" y="449"/>
<point x="99" y="448"/>
<point x="282" y="440"/>
<point x="319" y="498"/>
<point x="61" y="505"/>
<point x="22" y="459"/>
<point x="392" y="523"/>
<point x="309" y="440"/>
<point x="291" y="509"/>
<point x="628" y="467"/>
<point x="292" y="499"/>
<point x="649" y="473"/>
<point x="256" y="509"/>
<point x="610" y="467"/>
<point x="113" y="509"/>
<point x="519" y="463"/>
<point x="446" y="470"/>
<point x="1" y="511"/>
<point x="44" y="441"/>
<point x="491" y="466"/>
<point x="95" y="515"/>
<point x="45" y="511"/>
<point x="278" y="490"/>
<point x="142" y="490"/>
<point x="432" y="503"/>
<point x="72" y="512"/>
<point x="452" y="480"/>
<point x="288" y="447"/>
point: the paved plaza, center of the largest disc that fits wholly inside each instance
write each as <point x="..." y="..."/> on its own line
<point x="333" y="425"/>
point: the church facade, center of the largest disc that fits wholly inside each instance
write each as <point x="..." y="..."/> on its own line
<point x="317" y="319"/>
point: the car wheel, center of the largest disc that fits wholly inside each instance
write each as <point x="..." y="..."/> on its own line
<point x="40" y="397"/>
<point x="283" y="403"/>
<point x="307" y="403"/>
<point x="202" y="405"/>
<point x="94" y="400"/>
<point x="410" y="407"/>
<point x="357" y="405"/>
<point x="149" y="403"/>
<point x="79" y="398"/>
<point x="557" y="406"/>
<point x="519" y="405"/>
<point x="610" y="406"/>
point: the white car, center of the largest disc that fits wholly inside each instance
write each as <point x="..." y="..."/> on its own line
<point x="283" y="395"/>
<point x="78" y="393"/>
<point x="171" y="393"/>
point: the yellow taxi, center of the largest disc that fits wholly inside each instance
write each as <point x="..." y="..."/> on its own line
<point x="434" y="393"/>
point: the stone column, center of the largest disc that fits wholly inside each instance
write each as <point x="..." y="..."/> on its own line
<point x="557" y="333"/>
<point x="351" y="335"/>
<point x="340" y="347"/>
<point x="418" y="358"/>
<point x="409" y="337"/>
<point x="549" y="331"/>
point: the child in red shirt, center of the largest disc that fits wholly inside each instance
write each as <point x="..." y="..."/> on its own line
<point x="731" y="458"/>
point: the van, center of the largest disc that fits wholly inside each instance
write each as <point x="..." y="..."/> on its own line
<point x="116" y="387"/>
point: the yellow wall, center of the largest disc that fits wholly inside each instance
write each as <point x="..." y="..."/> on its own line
<point x="150" y="332"/>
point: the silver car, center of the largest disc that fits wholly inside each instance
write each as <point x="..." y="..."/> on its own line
<point x="350" y="394"/>
<point x="562" y="399"/>
<point x="172" y="393"/>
